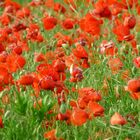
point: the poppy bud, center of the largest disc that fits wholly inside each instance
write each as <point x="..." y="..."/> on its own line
<point x="117" y="119"/>
<point x="63" y="108"/>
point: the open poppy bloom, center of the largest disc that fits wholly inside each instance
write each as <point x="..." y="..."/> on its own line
<point x="90" y="24"/>
<point x="84" y="91"/>
<point x="5" y="77"/>
<point x="68" y="24"/>
<point x="102" y="9"/>
<point x="49" y="22"/>
<point x="26" y="80"/>
<point x="133" y="85"/>
<point x="15" y="62"/>
<point x="95" y="109"/>
<point x="80" y="52"/>
<point x="122" y="32"/>
<point x="38" y="57"/>
<point x="3" y="56"/>
<point x="5" y="19"/>
<point x="33" y="33"/>
<point x="86" y="95"/>
<point x="2" y="47"/>
<point x="79" y="117"/>
<point x="59" y="65"/>
<point x="117" y="119"/>
<point x="24" y="12"/>
<point x="47" y="83"/>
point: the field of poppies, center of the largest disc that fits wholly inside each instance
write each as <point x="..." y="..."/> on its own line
<point x="69" y="69"/>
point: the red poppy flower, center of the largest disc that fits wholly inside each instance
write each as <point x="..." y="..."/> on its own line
<point x="117" y="119"/>
<point x="49" y="71"/>
<point x="2" y="47"/>
<point x="15" y="62"/>
<point x="102" y="9"/>
<point x="18" y="27"/>
<point x="90" y="24"/>
<point x="130" y="22"/>
<point x="138" y="10"/>
<point x="3" y="57"/>
<point x="33" y="33"/>
<point x="13" y="5"/>
<point x="133" y="85"/>
<point x="84" y="91"/>
<point x="17" y="50"/>
<point x="26" y="80"/>
<point x="5" y="76"/>
<point x="82" y="103"/>
<point x="73" y="103"/>
<point x="24" y="12"/>
<point x="47" y="83"/>
<point x="123" y="33"/>
<point x="136" y="62"/>
<point x="49" y="22"/>
<point x="94" y="96"/>
<point x="68" y="24"/>
<point x="80" y="52"/>
<point x="85" y="96"/>
<point x="85" y="63"/>
<point x="59" y="65"/>
<point x="63" y="39"/>
<point x="116" y="7"/>
<point x="38" y="57"/>
<point x="4" y="19"/>
<point x="95" y="109"/>
<point x="3" y="35"/>
<point x="78" y="117"/>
